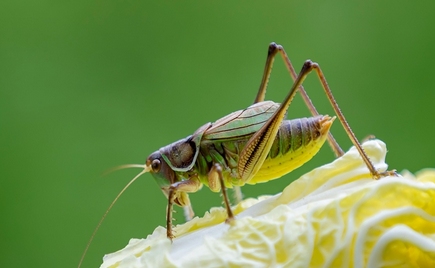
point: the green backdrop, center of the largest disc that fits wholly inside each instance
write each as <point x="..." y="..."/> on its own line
<point x="88" y="85"/>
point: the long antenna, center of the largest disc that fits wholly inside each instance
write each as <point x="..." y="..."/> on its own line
<point x="146" y="169"/>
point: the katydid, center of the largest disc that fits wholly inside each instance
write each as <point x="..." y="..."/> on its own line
<point x="249" y="146"/>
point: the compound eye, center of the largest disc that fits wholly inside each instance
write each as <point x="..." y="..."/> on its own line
<point x="156" y="165"/>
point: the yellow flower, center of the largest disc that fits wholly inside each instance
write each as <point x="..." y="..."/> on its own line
<point x="333" y="216"/>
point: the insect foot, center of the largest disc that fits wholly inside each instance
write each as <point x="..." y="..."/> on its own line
<point x="388" y="173"/>
<point x="230" y="220"/>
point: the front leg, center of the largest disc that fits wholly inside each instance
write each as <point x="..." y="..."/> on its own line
<point x="216" y="181"/>
<point x="178" y="194"/>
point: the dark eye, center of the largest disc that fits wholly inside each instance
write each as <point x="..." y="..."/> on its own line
<point x="156" y="165"/>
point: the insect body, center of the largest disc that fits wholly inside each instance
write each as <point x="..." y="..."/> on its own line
<point x="249" y="146"/>
<point x="220" y="143"/>
<point x="184" y="166"/>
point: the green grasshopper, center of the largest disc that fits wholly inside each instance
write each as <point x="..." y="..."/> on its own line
<point x="249" y="146"/>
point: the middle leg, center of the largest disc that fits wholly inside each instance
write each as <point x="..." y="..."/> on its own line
<point x="215" y="175"/>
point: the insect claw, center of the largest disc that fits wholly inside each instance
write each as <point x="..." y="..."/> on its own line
<point x="392" y="173"/>
<point x="229" y="220"/>
<point x="171" y="236"/>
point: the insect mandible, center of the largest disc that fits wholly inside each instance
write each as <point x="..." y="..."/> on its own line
<point x="249" y="146"/>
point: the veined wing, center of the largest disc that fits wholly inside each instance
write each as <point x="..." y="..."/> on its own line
<point x="242" y="123"/>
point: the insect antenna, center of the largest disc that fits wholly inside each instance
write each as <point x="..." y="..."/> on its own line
<point x="146" y="169"/>
<point x="110" y="170"/>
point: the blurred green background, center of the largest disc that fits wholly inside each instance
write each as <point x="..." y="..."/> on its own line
<point x="88" y="85"/>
